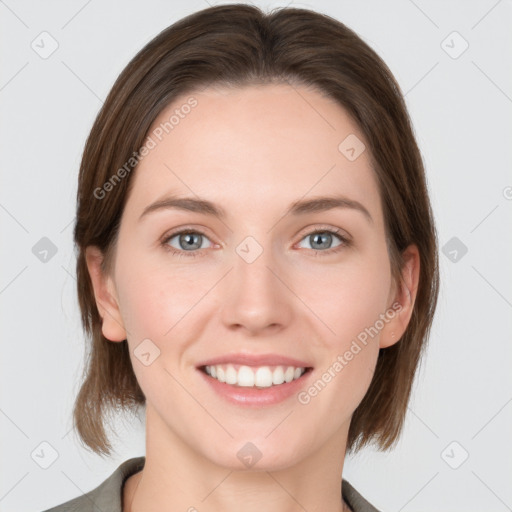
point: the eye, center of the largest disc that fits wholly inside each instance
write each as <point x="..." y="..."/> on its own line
<point x="187" y="242"/>
<point x="321" y="240"/>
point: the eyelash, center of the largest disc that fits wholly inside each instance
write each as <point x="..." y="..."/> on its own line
<point x="345" y="242"/>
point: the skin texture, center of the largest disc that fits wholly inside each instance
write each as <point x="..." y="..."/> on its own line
<point x="252" y="150"/>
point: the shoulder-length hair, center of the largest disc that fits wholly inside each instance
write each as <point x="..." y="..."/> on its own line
<point x="240" y="45"/>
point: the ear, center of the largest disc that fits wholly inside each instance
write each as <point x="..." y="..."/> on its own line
<point x="402" y="299"/>
<point x="105" y="294"/>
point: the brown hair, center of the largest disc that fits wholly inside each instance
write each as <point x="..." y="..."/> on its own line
<point x="240" y="45"/>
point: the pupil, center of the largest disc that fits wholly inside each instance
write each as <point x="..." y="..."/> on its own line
<point x="188" y="238"/>
<point x="325" y="244"/>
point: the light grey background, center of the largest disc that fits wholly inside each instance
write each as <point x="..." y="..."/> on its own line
<point x="461" y="109"/>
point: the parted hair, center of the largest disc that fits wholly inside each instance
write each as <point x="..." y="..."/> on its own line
<point x="238" y="45"/>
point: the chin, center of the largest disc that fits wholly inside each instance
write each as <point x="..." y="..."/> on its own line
<point x="256" y="453"/>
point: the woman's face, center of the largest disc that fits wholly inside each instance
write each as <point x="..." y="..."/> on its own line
<point x="256" y="281"/>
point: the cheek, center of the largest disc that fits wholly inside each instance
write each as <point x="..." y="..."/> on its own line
<point x="157" y="305"/>
<point x="347" y="299"/>
<point x="351" y="307"/>
<point x="154" y="297"/>
<point x="350" y="302"/>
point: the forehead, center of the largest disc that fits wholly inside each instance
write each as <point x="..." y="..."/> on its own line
<point x="259" y="145"/>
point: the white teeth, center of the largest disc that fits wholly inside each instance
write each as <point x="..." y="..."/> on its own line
<point x="221" y="376"/>
<point x="288" y="374"/>
<point x="231" y="375"/>
<point x="278" y="375"/>
<point x="247" y="376"/>
<point x="263" y="378"/>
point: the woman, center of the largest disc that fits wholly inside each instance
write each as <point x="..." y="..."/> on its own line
<point x="257" y="264"/>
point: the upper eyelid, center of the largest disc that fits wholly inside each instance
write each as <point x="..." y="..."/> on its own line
<point x="179" y="231"/>
<point x="344" y="238"/>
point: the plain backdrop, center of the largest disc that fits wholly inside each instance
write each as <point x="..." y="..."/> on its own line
<point x="452" y="61"/>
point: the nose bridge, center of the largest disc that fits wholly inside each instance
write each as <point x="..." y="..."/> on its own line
<point x="256" y="298"/>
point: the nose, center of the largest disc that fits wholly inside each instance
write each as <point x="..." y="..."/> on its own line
<point x="257" y="299"/>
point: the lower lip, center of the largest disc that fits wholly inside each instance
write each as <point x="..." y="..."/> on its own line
<point x="256" y="397"/>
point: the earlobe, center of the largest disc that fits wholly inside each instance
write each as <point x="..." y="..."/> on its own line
<point x="404" y="298"/>
<point x="105" y="295"/>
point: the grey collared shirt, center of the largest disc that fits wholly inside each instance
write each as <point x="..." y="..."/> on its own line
<point x="107" y="497"/>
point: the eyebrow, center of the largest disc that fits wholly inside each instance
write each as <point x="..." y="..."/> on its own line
<point x="300" y="207"/>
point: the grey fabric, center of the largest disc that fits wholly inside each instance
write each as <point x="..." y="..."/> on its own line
<point x="354" y="500"/>
<point x="107" y="497"/>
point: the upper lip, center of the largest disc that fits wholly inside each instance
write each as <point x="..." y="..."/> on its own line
<point x="255" y="360"/>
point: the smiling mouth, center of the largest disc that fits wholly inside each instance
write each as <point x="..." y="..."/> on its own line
<point x="254" y="377"/>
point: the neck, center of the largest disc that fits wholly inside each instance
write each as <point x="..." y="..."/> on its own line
<point x="177" y="477"/>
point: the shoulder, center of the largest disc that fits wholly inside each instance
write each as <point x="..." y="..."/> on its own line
<point x="356" y="502"/>
<point x="108" y="495"/>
